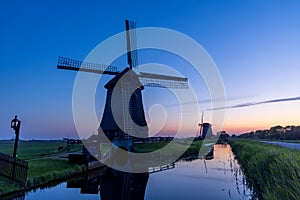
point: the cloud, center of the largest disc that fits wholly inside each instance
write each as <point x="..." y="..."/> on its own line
<point x="257" y="103"/>
<point x="208" y="101"/>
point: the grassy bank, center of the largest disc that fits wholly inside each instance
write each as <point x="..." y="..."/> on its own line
<point x="272" y="171"/>
<point x="44" y="164"/>
<point x="7" y="185"/>
<point x="46" y="170"/>
<point x="42" y="171"/>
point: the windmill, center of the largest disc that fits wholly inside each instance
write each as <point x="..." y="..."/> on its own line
<point x="129" y="124"/>
<point x="204" y="128"/>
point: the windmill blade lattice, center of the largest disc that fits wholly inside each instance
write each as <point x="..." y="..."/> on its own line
<point x="163" y="81"/>
<point x="77" y="65"/>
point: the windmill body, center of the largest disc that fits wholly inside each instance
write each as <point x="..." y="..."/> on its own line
<point x="206" y="130"/>
<point x="123" y="107"/>
<point x="123" y="120"/>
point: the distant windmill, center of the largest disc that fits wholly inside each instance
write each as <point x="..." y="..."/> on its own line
<point x="204" y="128"/>
<point x="127" y="86"/>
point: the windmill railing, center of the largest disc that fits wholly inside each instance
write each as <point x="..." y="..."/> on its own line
<point x="77" y="65"/>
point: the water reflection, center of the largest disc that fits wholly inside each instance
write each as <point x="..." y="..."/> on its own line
<point x="216" y="177"/>
<point x="112" y="184"/>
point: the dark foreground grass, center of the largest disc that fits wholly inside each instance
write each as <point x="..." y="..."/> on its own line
<point x="272" y="171"/>
<point x="45" y="170"/>
<point x="8" y="185"/>
<point x="42" y="171"/>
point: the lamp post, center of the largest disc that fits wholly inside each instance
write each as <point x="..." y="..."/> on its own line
<point x="15" y="124"/>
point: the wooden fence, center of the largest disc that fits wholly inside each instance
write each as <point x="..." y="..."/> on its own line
<point x="13" y="169"/>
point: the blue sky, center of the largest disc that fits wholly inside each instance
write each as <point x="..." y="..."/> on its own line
<point x="255" y="45"/>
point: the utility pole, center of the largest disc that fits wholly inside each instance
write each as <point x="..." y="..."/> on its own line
<point x="15" y="124"/>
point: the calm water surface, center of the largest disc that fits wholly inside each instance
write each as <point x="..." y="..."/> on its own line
<point x="218" y="178"/>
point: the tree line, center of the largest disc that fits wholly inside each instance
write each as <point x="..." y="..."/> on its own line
<point x="276" y="133"/>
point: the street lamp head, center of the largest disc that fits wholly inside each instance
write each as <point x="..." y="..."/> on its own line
<point x="15" y="123"/>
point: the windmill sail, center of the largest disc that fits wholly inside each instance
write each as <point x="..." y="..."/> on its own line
<point x="163" y="81"/>
<point x="131" y="44"/>
<point x="201" y="125"/>
<point x="77" y="65"/>
<point x="147" y="79"/>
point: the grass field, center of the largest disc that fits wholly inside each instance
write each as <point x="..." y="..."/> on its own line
<point x="272" y="171"/>
<point x="180" y="147"/>
<point x="150" y="147"/>
<point x="43" y="166"/>
<point x="36" y="148"/>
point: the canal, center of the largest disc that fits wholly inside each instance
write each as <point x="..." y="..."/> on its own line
<point x="289" y="145"/>
<point x="219" y="177"/>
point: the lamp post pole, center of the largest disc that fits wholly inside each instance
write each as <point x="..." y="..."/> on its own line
<point x="15" y="124"/>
